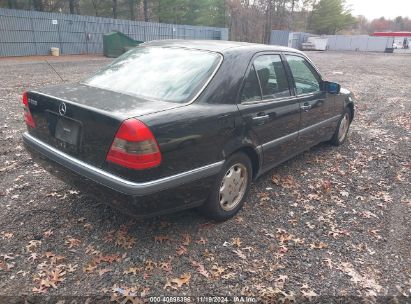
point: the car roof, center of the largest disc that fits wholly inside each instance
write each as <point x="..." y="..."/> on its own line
<point x="220" y="46"/>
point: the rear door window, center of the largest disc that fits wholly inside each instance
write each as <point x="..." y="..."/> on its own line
<point x="305" y="77"/>
<point x="272" y="77"/>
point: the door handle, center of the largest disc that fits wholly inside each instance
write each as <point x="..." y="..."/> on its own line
<point x="306" y="107"/>
<point x="224" y="116"/>
<point x="261" y="116"/>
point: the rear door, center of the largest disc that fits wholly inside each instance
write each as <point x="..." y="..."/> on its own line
<point x="315" y="104"/>
<point x="269" y="108"/>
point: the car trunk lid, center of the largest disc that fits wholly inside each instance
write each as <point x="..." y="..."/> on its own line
<point x="82" y="121"/>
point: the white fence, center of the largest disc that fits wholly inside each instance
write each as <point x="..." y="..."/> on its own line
<point x="362" y="43"/>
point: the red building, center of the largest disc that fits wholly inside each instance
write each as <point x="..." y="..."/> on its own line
<point x="392" y="34"/>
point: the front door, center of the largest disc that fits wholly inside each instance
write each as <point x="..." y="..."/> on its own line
<point x="269" y="108"/>
<point x="317" y="107"/>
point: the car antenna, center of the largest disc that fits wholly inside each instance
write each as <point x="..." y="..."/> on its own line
<point x="54" y="70"/>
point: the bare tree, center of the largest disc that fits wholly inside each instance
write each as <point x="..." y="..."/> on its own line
<point x="268" y="21"/>
<point x="248" y="20"/>
<point x="132" y="9"/>
<point x="115" y="9"/>
<point x="77" y="6"/>
<point x="95" y="6"/>
<point x="145" y="8"/>
<point x="38" y="5"/>
<point x="291" y="23"/>
<point x="11" y="4"/>
<point x="71" y="6"/>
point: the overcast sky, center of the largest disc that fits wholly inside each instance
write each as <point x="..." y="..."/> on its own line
<point x="377" y="8"/>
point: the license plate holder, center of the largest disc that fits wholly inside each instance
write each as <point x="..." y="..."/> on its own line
<point x="66" y="130"/>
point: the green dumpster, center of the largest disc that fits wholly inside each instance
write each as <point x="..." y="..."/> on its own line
<point x="116" y="43"/>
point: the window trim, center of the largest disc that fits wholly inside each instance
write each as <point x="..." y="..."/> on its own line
<point x="311" y="67"/>
<point x="245" y="81"/>
<point x="277" y="99"/>
<point x="258" y="80"/>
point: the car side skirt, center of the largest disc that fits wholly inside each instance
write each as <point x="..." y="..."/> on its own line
<point x="281" y="140"/>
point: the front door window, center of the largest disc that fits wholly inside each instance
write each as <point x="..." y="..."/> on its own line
<point x="305" y="78"/>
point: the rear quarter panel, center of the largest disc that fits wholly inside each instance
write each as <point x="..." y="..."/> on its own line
<point x="189" y="137"/>
<point x="200" y="133"/>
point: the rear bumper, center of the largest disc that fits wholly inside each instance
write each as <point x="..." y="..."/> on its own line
<point x="172" y="193"/>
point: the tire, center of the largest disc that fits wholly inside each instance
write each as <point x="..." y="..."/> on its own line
<point x="222" y="203"/>
<point x="343" y="126"/>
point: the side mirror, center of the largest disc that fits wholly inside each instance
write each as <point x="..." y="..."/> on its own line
<point x="332" y="87"/>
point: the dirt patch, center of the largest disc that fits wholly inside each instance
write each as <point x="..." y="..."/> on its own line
<point x="332" y="222"/>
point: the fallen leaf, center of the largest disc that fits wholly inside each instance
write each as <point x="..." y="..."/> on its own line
<point x="239" y="220"/>
<point x="165" y="266"/>
<point x="103" y="271"/>
<point x="161" y="238"/>
<point x="236" y="242"/>
<point x="240" y="254"/>
<point x="217" y="271"/>
<point x="47" y="283"/>
<point x="149" y="265"/>
<point x="72" y="242"/>
<point x="309" y="225"/>
<point x="181" y="250"/>
<point x="90" y="268"/>
<point x="39" y="289"/>
<point x="186" y="239"/>
<point x="329" y="263"/>
<point x="319" y="245"/>
<point x="34" y="256"/>
<point x="200" y="268"/>
<point x="48" y="233"/>
<point x="132" y="270"/>
<point x="374" y="233"/>
<point x="6" y="235"/>
<point x="33" y="244"/>
<point x="309" y="294"/>
<point x="202" y="241"/>
<point x="344" y="193"/>
<point x="71" y="268"/>
<point x="178" y="282"/>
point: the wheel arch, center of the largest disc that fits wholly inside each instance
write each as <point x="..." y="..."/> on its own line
<point x="253" y="154"/>
<point x="351" y="107"/>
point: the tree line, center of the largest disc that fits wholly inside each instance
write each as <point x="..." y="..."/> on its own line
<point x="248" y="20"/>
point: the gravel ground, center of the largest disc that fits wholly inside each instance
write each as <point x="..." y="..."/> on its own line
<point x="330" y="224"/>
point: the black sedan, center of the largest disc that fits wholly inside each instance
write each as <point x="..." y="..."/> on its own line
<point x="172" y="125"/>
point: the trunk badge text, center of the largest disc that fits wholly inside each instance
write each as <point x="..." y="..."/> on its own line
<point x="62" y="109"/>
<point x="33" y="102"/>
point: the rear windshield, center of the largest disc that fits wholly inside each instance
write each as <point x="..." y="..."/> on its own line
<point x="156" y="73"/>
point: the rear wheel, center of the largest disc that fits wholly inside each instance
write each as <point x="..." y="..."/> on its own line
<point x="230" y="189"/>
<point x="341" y="132"/>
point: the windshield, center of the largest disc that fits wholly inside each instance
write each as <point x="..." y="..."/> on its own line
<point x="156" y="73"/>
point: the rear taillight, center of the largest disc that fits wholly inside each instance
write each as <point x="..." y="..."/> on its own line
<point x="27" y="114"/>
<point x="134" y="146"/>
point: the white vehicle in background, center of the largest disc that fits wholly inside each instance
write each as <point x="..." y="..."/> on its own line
<point x="397" y="45"/>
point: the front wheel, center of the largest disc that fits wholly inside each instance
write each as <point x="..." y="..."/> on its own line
<point x="230" y="189"/>
<point x="341" y="132"/>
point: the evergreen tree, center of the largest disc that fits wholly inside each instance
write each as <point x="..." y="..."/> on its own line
<point x="330" y="16"/>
